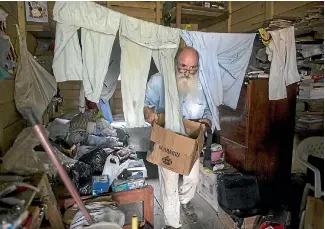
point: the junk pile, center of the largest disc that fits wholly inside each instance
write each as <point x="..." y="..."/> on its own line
<point x="95" y="155"/>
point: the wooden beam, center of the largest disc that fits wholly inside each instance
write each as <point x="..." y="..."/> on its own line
<point x="178" y="15"/>
<point x="230" y="17"/>
<point x="158" y="12"/>
<point x="108" y="4"/>
<point x="40" y="27"/>
<point x="137" y="13"/>
<point x="144" y="5"/>
<point x="269" y="10"/>
<point x="22" y="19"/>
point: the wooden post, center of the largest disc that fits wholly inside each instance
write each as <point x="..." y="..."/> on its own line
<point x="178" y="15"/>
<point x="158" y="12"/>
<point x="269" y="10"/>
<point x="21" y="19"/>
<point x="108" y="4"/>
<point x="229" y="18"/>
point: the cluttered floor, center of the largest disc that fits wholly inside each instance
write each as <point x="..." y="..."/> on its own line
<point x="99" y="158"/>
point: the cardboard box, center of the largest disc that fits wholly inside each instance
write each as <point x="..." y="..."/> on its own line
<point x="229" y="223"/>
<point x="174" y="151"/>
<point x="207" y="188"/>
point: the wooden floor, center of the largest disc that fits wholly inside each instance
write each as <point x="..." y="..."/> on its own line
<point x="207" y="217"/>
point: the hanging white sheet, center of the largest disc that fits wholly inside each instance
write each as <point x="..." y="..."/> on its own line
<point x="224" y="58"/>
<point x="140" y="41"/>
<point x="99" y="26"/>
<point x="34" y="86"/>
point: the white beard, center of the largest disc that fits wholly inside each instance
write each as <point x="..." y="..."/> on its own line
<point x="187" y="86"/>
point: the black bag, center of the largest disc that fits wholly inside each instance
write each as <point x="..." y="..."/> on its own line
<point x="238" y="194"/>
<point x="208" y="142"/>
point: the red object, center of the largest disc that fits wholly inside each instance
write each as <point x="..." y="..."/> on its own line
<point x="21" y="189"/>
<point x="90" y="105"/>
<point x="268" y="226"/>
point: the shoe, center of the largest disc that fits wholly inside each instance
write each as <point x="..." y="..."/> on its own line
<point x="188" y="208"/>
<point x="170" y="227"/>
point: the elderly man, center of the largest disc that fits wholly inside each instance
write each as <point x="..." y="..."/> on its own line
<point x="193" y="106"/>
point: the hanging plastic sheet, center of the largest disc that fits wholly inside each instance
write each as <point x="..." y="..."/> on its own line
<point x="34" y="86"/>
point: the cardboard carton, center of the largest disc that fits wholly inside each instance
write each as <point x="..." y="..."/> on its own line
<point x="173" y="151"/>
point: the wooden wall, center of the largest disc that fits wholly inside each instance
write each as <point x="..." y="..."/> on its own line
<point x="70" y="91"/>
<point x="115" y="102"/>
<point x="12" y="19"/>
<point x="248" y="16"/>
<point x="147" y="11"/>
<point x="11" y="122"/>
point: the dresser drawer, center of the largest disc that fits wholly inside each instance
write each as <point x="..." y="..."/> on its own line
<point x="233" y="125"/>
<point x="235" y="154"/>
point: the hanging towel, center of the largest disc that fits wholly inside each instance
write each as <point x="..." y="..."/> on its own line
<point x="282" y="54"/>
<point x="112" y="74"/>
<point x="139" y="42"/>
<point x="223" y="61"/>
<point x="99" y="26"/>
<point x="34" y="86"/>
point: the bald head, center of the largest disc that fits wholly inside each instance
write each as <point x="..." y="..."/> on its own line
<point x="187" y="58"/>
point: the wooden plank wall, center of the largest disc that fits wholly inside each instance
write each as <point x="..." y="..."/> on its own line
<point x="11" y="122"/>
<point x="147" y="11"/>
<point x="70" y="92"/>
<point x="12" y="19"/>
<point x="248" y="16"/>
<point x="115" y="102"/>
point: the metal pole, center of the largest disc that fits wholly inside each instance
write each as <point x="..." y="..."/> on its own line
<point x="62" y="173"/>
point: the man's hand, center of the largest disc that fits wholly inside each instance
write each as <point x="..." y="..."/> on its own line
<point x="205" y="121"/>
<point x="150" y="115"/>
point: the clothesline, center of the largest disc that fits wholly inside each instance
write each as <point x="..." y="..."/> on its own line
<point x="223" y="58"/>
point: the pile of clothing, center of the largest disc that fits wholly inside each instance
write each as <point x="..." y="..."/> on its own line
<point x="87" y="146"/>
<point x="97" y="148"/>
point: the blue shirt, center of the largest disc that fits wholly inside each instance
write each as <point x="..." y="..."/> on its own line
<point x="191" y="108"/>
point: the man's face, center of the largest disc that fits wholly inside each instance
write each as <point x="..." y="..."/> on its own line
<point x="186" y="74"/>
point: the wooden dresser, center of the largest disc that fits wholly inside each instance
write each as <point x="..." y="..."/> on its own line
<point x="258" y="135"/>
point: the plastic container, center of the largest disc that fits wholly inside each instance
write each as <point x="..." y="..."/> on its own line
<point x="104" y="225"/>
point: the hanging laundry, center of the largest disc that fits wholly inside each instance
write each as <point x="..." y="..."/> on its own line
<point x="282" y="54"/>
<point x="139" y="42"/>
<point x="99" y="26"/>
<point x="223" y="62"/>
<point x="112" y="74"/>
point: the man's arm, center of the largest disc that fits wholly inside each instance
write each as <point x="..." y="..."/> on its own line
<point x="151" y="102"/>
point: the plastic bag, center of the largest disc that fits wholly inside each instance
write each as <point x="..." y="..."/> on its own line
<point x="58" y="128"/>
<point x="96" y="159"/>
<point x="100" y="213"/>
<point x="34" y="86"/>
<point x="47" y="164"/>
<point x="113" y="168"/>
<point x="21" y="157"/>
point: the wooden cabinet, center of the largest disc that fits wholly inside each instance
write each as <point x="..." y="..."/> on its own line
<point x="258" y="135"/>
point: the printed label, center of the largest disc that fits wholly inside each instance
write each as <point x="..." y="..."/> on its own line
<point x="167" y="160"/>
<point x="169" y="151"/>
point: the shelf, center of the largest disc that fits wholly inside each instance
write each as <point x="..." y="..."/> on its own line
<point x="203" y="16"/>
<point x="41" y="30"/>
